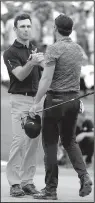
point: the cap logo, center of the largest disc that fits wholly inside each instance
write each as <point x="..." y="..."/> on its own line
<point x="31" y="123"/>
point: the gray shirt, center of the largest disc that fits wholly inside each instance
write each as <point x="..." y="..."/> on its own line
<point x="68" y="58"/>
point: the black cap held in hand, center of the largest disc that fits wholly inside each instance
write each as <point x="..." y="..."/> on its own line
<point x="32" y="126"/>
<point x="64" y="24"/>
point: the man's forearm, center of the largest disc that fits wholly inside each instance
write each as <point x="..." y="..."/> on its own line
<point x="21" y="72"/>
<point x="45" y="82"/>
<point x="43" y="87"/>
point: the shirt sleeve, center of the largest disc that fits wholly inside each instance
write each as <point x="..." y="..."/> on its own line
<point x="51" y="54"/>
<point x="11" y="61"/>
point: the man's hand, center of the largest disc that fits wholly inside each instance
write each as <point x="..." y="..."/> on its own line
<point x="34" y="110"/>
<point x="23" y="121"/>
<point x="35" y="51"/>
<point x="37" y="108"/>
<point x="30" y="56"/>
<point x="36" y="58"/>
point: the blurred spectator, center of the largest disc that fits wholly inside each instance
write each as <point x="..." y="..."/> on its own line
<point x="4" y="12"/>
<point x="48" y="37"/>
<point x="85" y="138"/>
<point x="42" y="11"/>
<point x="87" y="77"/>
<point x="90" y="27"/>
<point x="81" y="31"/>
<point x="36" y="29"/>
<point x="60" y="7"/>
<point x="74" y="15"/>
<point x="4" y="9"/>
<point x="10" y="35"/>
<point x="42" y="22"/>
<point x="2" y="35"/>
<point x="17" y="6"/>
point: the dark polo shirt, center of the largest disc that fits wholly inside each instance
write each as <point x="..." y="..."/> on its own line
<point x="15" y="56"/>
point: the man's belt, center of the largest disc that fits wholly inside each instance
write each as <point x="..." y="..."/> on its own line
<point x="26" y="93"/>
<point x="61" y="93"/>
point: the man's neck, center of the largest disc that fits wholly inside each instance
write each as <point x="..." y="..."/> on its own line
<point x="25" y="43"/>
<point x="60" y="37"/>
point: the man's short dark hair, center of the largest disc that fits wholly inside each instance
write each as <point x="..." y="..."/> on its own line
<point x="64" y="24"/>
<point x="21" y="16"/>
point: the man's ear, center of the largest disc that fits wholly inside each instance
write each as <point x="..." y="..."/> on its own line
<point x="14" y="28"/>
<point x="55" y="27"/>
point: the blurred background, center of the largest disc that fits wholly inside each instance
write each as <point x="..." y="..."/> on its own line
<point x="43" y="15"/>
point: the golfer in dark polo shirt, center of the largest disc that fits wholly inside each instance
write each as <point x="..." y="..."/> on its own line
<point x="24" y="68"/>
<point x="61" y="81"/>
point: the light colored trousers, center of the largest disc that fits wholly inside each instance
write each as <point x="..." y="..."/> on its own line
<point x="21" y="166"/>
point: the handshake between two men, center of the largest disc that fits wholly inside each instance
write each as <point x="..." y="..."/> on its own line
<point x="36" y="58"/>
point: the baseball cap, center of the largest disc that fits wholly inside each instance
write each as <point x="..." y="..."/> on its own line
<point x="33" y="127"/>
<point x="64" y="24"/>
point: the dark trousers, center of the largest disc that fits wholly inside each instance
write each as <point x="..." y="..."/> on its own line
<point x="60" y="121"/>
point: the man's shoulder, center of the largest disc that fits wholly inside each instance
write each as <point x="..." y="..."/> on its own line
<point x="9" y="51"/>
<point x="52" y="47"/>
<point x="78" y="48"/>
<point x="52" y="52"/>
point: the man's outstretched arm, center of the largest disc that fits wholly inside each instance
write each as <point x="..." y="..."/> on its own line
<point x="45" y="81"/>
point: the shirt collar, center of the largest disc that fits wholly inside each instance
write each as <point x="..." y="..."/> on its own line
<point x="20" y="45"/>
<point x="64" y="38"/>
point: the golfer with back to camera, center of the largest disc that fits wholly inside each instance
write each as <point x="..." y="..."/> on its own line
<point x="61" y="81"/>
<point x="23" y="64"/>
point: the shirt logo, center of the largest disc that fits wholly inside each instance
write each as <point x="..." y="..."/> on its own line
<point x="10" y="63"/>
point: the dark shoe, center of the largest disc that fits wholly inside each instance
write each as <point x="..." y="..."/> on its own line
<point x="86" y="184"/>
<point x="30" y="189"/>
<point x="16" y="191"/>
<point x="46" y="194"/>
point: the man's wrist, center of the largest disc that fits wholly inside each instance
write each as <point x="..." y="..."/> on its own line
<point x="36" y="101"/>
<point x="30" y="64"/>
